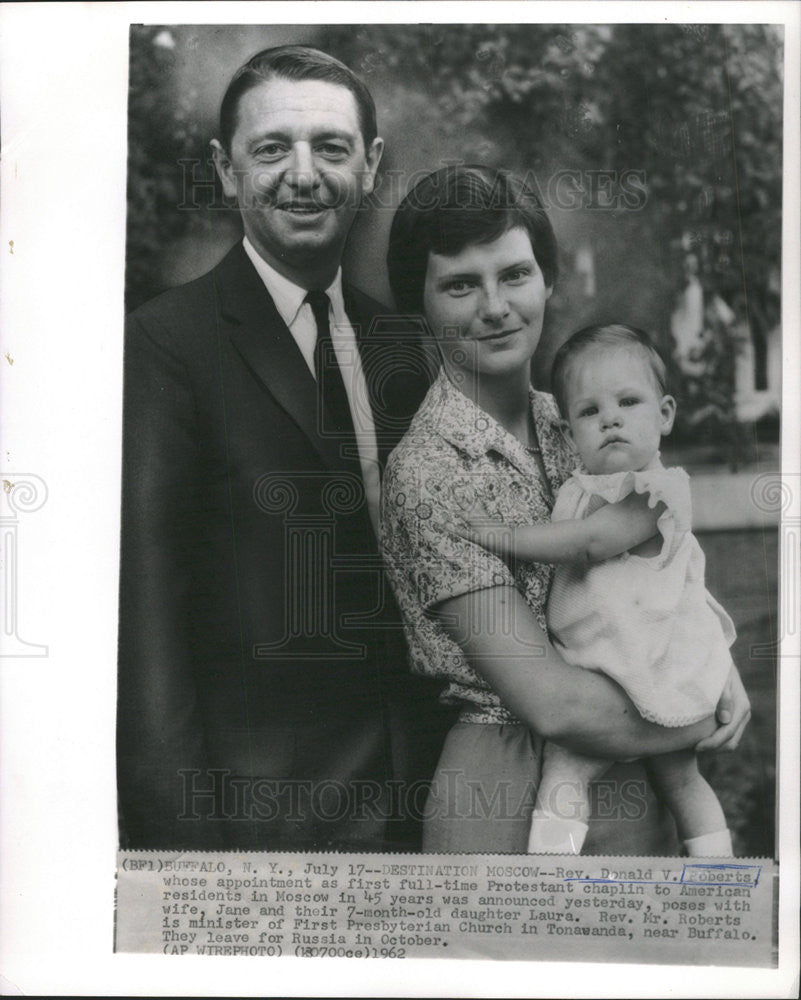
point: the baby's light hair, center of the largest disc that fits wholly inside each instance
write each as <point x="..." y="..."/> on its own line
<point x="610" y="335"/>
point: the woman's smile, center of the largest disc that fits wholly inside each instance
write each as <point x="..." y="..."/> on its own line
<point x="500" y="335"/>
<point x="485" y="306"/>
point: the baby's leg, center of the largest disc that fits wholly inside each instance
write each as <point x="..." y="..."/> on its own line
<point x="562" y="811"/>
<point x="695" y="807"/>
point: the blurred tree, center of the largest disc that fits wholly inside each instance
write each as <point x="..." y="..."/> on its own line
<point x="700" y="108"/>
<point x="160" y="133"/>
<point x="673" y="132"/>
<point x="707" y="397"/>
<point x="646" y="140"/>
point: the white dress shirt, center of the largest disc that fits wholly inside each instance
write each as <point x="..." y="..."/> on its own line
<point x="290" y="301"/>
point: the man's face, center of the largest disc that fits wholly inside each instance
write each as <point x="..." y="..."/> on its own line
<point x="298" y="169"/>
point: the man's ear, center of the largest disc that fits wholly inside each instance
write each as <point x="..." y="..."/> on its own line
<point x="224" y="168"/>
<point x="668" y="410"/>
<point x="372" y="158"/>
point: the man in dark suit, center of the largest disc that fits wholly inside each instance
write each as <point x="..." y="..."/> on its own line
<point x="264" y="697"/>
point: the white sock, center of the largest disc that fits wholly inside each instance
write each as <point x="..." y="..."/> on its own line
<point x="551" y="835"/>
<point x="710" y="845"/>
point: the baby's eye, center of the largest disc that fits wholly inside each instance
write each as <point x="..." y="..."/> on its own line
<point x="588" y="411"/>
<point x="629" y="401"/>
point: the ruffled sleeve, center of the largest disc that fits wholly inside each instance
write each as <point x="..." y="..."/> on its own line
<point x="570" y="498"/>
<point x="670" y="487"/>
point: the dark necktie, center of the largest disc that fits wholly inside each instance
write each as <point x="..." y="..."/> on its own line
<point x="335" y="409"/>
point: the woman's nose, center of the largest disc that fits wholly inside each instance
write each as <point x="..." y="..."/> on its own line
<point x="494" y="306"/>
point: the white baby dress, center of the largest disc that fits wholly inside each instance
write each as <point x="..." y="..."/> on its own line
<point x="649" y="623"/>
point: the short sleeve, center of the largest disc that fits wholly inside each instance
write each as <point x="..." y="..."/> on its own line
<point x="670" y="487"/>
<point x="427" y="561"/>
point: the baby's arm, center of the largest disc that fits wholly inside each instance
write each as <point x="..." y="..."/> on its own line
<point x="609" y="531"/>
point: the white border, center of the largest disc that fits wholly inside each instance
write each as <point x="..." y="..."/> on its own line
<point x="63" y="82"/>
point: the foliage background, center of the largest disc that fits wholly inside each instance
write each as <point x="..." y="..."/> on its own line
<point x="693" y="110"/>
<point x="646" y="141"/>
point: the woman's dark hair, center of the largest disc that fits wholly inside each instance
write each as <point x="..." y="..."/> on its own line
<point x="453" y="208"/>
<point x="294" y="62"/>
<point x="610" y="335"/>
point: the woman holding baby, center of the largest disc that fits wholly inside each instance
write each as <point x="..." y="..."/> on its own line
<point x="473" y="251"/>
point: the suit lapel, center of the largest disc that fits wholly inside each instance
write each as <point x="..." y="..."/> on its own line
<point x="249" y="317"/>
<point x="259" y="334"/>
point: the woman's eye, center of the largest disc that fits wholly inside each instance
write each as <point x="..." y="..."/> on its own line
<point x="519" y="274"/>
<point x="459" y="287"/>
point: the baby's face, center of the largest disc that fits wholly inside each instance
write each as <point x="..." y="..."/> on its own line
<point x="616" y="413"/>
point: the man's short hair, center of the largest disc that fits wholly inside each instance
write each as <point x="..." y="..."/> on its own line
<point x="294" y="62"/>
<point x="453" y="208"/>
<point x="613" y="335"/>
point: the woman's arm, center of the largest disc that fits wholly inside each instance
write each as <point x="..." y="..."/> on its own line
<point x="579" y="709"/>
<point x="609" y="531"/>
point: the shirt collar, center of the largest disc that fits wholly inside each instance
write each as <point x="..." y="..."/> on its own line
<point x="470" y="429"/>
<point x="287" y="296"/>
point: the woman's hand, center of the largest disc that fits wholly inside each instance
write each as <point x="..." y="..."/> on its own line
<point x="733" y="713"/>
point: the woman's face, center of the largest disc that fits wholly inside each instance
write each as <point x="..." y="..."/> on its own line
<point x="485" y="306"/>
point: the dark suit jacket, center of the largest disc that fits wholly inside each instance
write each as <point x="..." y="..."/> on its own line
<point x="264" y="695"/>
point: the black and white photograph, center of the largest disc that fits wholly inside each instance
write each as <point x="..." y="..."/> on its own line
<point x="437" y="493"/>
<point x="577" y="210"/>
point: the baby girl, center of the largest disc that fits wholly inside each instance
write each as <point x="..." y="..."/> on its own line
<point x="628" y="597"/>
